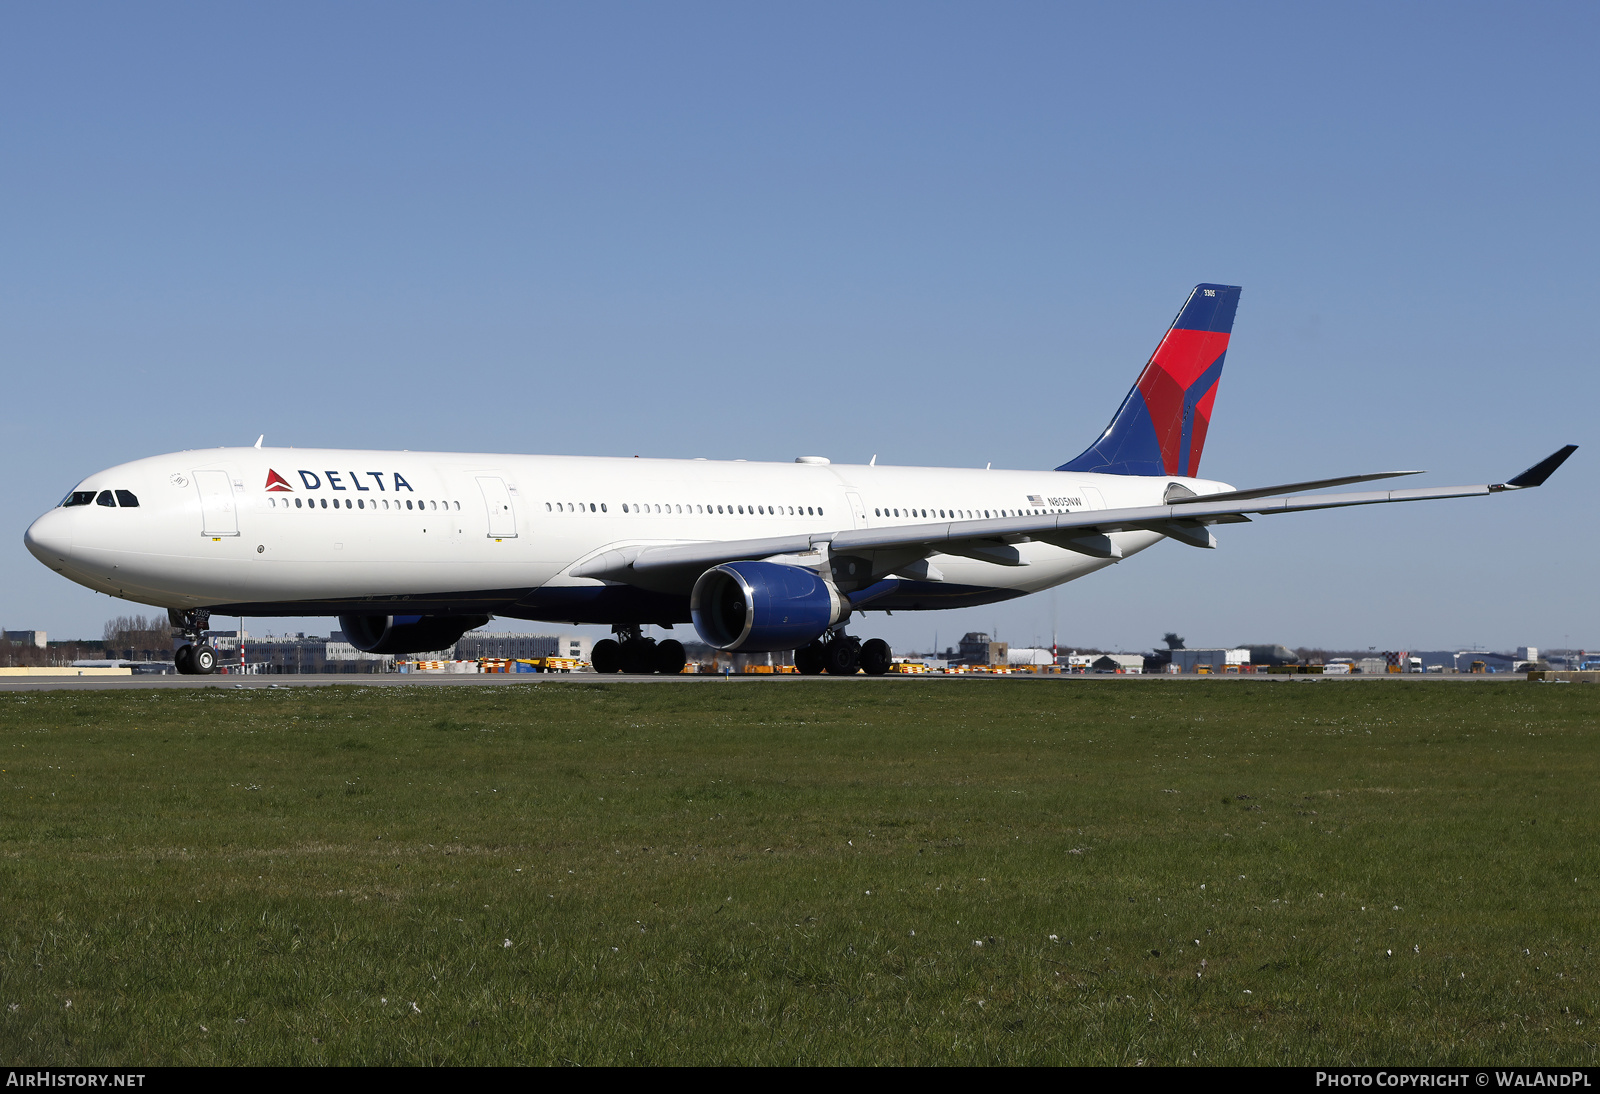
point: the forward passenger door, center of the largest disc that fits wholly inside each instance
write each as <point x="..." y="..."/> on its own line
<point x="219" y="513"/>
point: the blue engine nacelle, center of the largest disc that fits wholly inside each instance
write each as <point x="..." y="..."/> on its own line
<point x="407" y="633"/>
<point x="757" y="607"/>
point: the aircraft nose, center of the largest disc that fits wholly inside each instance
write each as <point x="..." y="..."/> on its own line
<point x="49" y="539"/>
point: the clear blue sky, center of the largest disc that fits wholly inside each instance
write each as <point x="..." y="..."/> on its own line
<point x="945" y="234"/>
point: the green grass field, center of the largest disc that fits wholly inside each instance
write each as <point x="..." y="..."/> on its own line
<point x="777" y="872"/>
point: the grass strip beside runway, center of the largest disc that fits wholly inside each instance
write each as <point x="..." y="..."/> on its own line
<point x="1060" y="872"/>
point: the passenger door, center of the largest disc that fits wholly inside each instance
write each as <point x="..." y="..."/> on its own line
<point x="858" y="509"/>
<point x="497" y="499"/>
<point x="219" y="513"/>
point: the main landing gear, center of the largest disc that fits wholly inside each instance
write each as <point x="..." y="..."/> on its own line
<point x="193" y="655"/>
<point x="632" y="653"/>
<point x="844" y="655"/>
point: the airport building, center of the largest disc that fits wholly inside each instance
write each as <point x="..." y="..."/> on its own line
<point x="1122" y="664"/>
<point x="480" y="644"/>
<point x="310" y="653"/>
<point x="1216" y="659"/>
<point x="296" y="653"/>
<point x="978" y="649"/>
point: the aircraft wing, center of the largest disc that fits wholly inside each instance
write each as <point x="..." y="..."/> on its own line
<point x="1284" y="488"/>
<point x="1185" y="519"/>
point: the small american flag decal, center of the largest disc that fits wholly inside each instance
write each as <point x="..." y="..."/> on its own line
<point x="1036" y="500"/>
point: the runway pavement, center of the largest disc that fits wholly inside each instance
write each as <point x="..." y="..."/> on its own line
<point x="447" y="680"/>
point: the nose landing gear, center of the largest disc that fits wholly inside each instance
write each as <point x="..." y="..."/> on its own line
<point x="193" y="655"/>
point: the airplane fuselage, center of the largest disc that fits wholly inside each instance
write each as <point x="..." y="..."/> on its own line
<point x="263" y="531"/>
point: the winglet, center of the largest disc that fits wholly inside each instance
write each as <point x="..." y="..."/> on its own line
<point x="1535" y="475"/>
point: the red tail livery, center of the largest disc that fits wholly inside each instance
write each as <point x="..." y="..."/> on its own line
<point x="1161" y="426"/>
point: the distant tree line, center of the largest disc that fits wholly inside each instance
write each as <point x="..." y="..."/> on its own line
<point x="138" y="638"/>
<point x="131" y="637"/>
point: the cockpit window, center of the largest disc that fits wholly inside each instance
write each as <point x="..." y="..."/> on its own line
<point x="78" y="497"/>
<point x="106" y="499"/>
<point x="126" y="499"/>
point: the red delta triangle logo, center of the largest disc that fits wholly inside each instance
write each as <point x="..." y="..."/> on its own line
<point x="277" y="482"/>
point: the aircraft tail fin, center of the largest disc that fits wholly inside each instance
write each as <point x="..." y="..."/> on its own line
<point x="1160" y="429"/>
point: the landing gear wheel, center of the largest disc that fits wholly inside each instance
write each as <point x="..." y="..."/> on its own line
<point x="670" y="657"/>
<point x="203" y="660"/>
<point x="875" y="657"/>
<point x="808" y="659"/>
<point x="639" y="655"/>
<point x="842" y="656"/>
<point x="182" y="662"/>
<point x="606" y="656"/>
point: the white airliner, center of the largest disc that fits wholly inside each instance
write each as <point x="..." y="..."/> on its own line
<point x="412" y="549"/>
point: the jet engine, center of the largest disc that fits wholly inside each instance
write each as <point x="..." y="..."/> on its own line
<point x="406" y="633"/>
<point x="757" y="607"/>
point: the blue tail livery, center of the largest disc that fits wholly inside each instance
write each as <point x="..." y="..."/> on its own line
<point x="1160" y="429"/>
